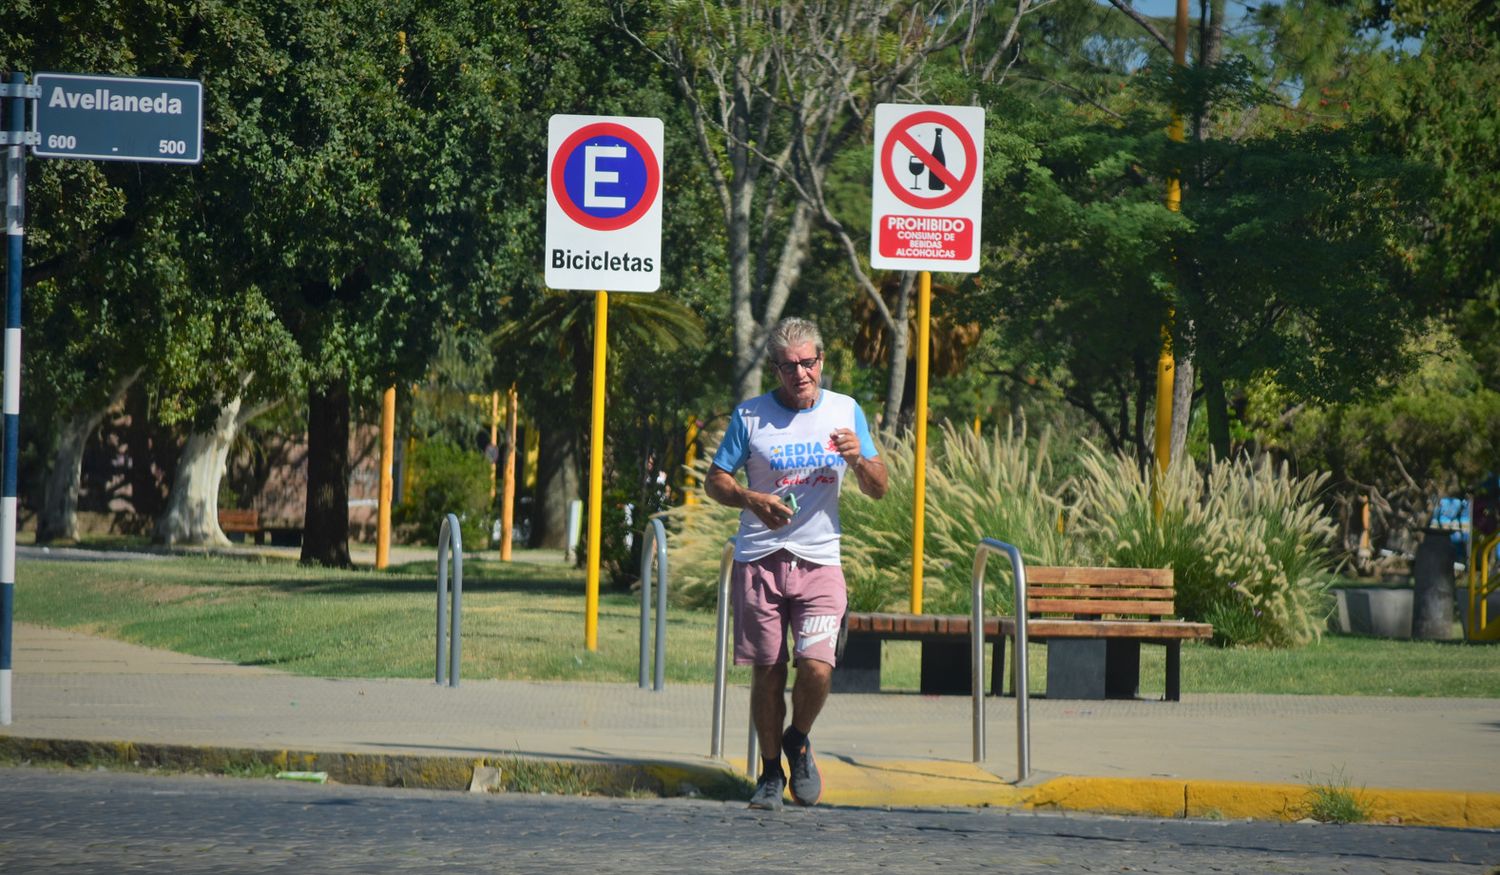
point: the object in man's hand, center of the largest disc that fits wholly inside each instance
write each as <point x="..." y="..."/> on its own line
<point x="790" y="500"/>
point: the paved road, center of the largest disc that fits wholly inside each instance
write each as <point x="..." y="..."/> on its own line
<point x="79" y="822"/>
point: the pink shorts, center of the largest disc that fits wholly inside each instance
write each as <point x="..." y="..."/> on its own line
<point x="778" y="590"/>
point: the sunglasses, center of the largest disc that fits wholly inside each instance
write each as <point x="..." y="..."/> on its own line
<point x="790" y="368"/>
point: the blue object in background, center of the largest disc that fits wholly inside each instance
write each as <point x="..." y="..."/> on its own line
<point x="1454" y="514"/>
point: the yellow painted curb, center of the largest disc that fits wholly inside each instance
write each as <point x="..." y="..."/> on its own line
<point x="1150" y="796"/>
<point x="1232" y="799"/>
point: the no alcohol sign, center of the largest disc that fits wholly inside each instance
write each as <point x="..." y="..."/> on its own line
<point x="925" y="196"/>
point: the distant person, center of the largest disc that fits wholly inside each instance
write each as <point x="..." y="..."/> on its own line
<point x="795" y="444"/>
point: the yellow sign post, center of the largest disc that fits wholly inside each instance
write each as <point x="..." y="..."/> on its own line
<point x="596" y="472"/>
<point x="919" y="466"/>
<point x="1166" y="362"/>
<point x="387" y="459"/>
<point x="508" y="495"/>
<point x="604" y="176"/>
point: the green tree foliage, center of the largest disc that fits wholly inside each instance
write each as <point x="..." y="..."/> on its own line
<point x="1448" y="117"/>
<point x="1288" y="257"/>
<point x="114" y="250"/>
<point x="1433" y="432"/>
<point x="443" y="479"/>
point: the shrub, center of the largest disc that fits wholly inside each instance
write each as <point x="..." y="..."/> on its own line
<point x="1248" y="544"/>
<point x="443" y="479"/>
<point x="1330" y="800"/>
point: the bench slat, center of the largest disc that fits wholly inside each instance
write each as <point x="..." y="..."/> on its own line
<point x="1169" y="630"/>
<point x="1098" y="606"/>
<point x="933" y="625"/>
<point x="1094" y="592"/>
<point x="1140" y="577"/>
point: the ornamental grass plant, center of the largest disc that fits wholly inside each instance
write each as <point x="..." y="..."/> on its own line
<point x="994" y="484"/>
<point x="1247" y="541"/>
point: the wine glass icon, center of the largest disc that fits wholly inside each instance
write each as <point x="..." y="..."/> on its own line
<point x="915" y="166"/>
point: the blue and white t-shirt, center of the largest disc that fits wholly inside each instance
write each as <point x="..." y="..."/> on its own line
<point x="788" y="452"/>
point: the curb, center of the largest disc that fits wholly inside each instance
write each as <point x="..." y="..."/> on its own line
<point x="895" y="784"/>
<point x="1223" y="800"/>
<point x="519" y="774"/>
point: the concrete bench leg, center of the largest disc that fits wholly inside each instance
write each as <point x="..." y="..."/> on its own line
<point x="1093" y="668"/>
<point x="945" y="668"/>
<point x="859" y="669"/>
<point x="1174" y="671"/>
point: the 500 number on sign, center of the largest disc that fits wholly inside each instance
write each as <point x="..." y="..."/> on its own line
<point x="172" y="147"/>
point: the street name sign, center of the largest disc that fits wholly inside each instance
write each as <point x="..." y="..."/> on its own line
<point x="925" y="193"/>
<point x="604" y="178"/>
<point x="119" y="118"/>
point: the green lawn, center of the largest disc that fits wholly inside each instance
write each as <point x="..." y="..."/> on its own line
<point x="526" y="621"/>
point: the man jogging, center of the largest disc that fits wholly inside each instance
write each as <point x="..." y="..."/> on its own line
<point x="795" y="444"/>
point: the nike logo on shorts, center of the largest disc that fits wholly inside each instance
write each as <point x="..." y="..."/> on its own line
<point x="816" y="630"/>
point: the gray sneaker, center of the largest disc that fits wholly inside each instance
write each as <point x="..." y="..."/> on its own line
<point x="768" y="792"/>
<point x="807" y="784"/>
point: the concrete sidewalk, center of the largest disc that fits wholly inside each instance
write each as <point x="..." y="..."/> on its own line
<point x="1434" y="761"/>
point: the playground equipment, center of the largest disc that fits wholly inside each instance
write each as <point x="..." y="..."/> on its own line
<point x="1481" y="624"/>
<point x="448" y="633"/>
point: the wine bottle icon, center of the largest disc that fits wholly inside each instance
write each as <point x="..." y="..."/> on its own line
<point x="934" y="182"/>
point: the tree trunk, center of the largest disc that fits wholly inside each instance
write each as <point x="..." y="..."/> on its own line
<point x="192" y="514"/>
<point x="895" y="387"/>
<point x="1182" y="403"/>
<point x="58" y="517"/>
<point x="1218" y="411"/>
<point x="325" y="528"/>
<point x="556" y="486"/>
<point x="750" y="331"/>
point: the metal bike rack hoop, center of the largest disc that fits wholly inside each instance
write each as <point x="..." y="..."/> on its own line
<point x="1019" y="664"/>
<point x="450" y="535"/>
<point x="656" y="535"/>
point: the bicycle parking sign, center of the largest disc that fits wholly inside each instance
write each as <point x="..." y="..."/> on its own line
<point x="604" y="203"/>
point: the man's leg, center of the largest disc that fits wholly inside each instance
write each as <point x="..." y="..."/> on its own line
<point x="768" y="706"/>
<point x="809" y="692"/>
<point x="814" y="677"/>
<point x="768" y="710"/>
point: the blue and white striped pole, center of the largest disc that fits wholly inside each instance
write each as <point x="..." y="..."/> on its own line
<point x="15" y="233"/>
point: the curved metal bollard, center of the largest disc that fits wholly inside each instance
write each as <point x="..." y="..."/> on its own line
<point x="655" y="533"/>
<point x="1020" y="663"/>
<point x="448" y="535"/>
<point x="721" y="638"/>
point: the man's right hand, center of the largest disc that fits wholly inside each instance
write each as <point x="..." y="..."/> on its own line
<point x="722" y="487"/>
<point x="770" y="509"/>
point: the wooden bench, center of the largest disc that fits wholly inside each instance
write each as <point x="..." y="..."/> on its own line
<point x="1093" y="621"/>
<point x="242" y="522"/>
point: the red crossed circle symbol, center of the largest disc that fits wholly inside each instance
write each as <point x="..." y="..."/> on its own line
<point x="901" y="133"/>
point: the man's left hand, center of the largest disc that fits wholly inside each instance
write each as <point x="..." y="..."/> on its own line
<point x="846" y="443"/>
